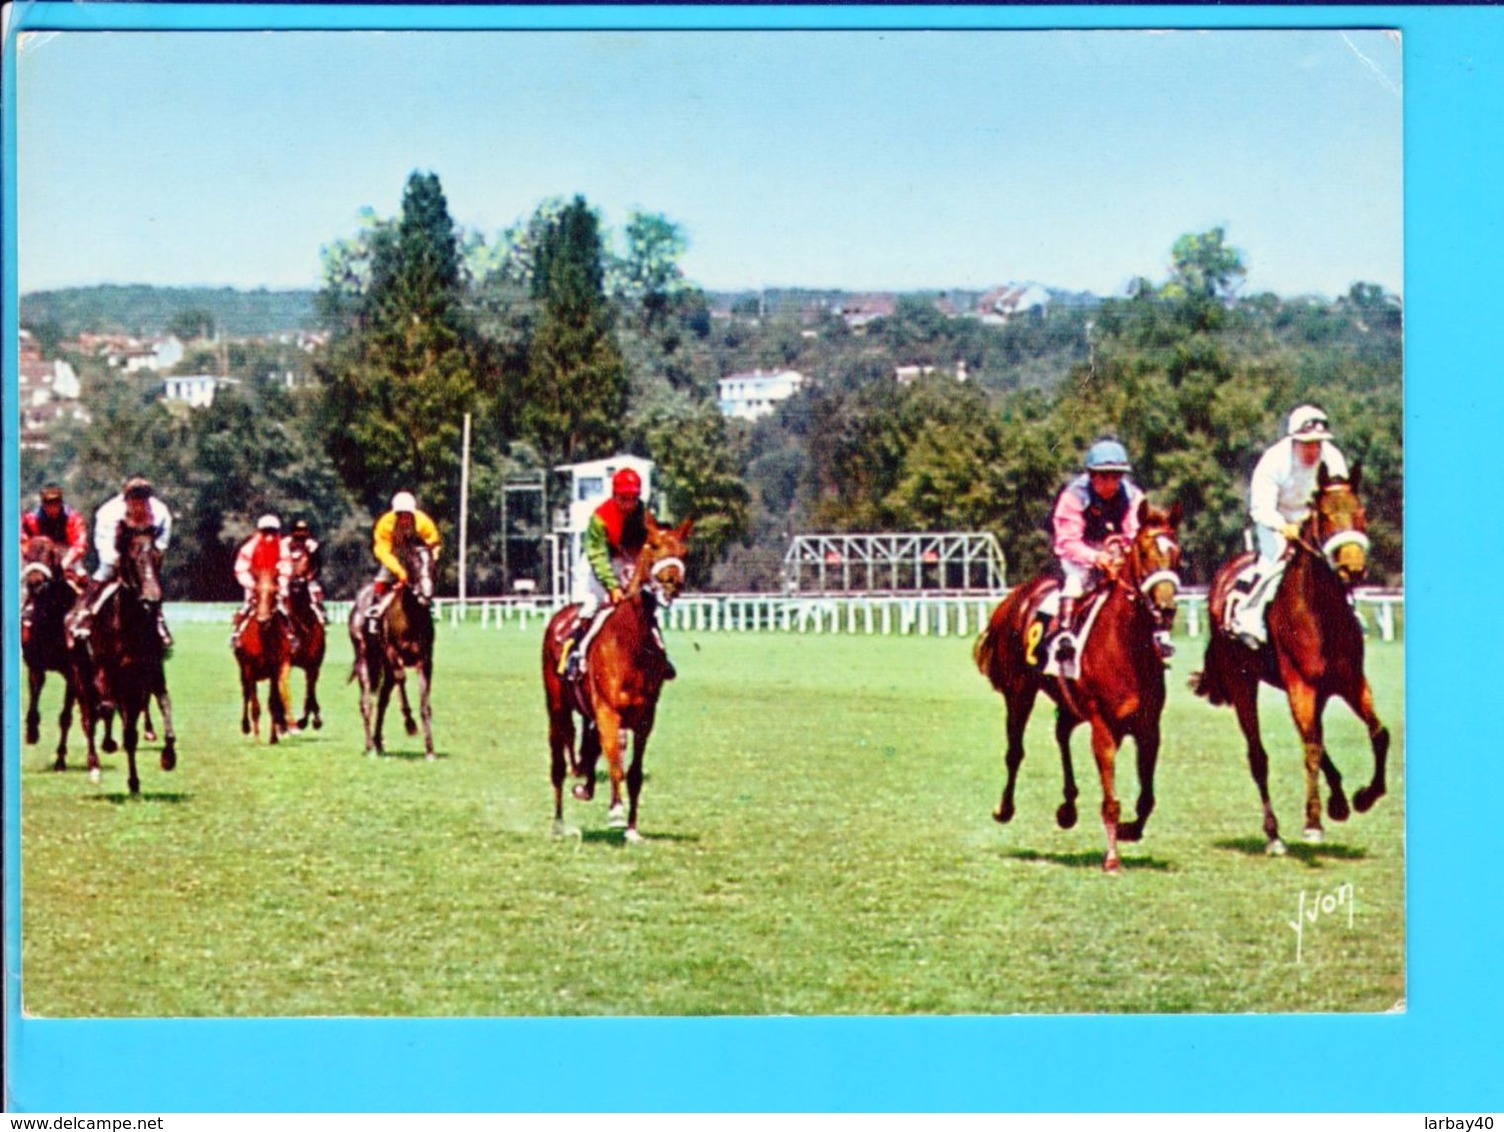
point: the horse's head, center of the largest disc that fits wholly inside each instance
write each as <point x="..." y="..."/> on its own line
<point x="41" y="563"/>
<point x="416" y="557"/>
<point x="660" y="564"/>
<point x="1154" y="559"/>
<point x="266" y="595"/>
<point x="140" y="563"/>
<point x="1337" y="526"/>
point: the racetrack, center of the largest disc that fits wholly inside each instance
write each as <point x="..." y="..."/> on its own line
<point x="819" y="841"/>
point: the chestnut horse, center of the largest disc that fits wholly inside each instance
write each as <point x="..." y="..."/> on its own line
<point x="1314" y="652"/>
<point x="47" y="646"/>
<point x="625" y="668"/>
<point x="404" y="642"/>
<point x="264" y="652"/>
<point x="1120" y="691"/>
<point x="311" y="640"/>
<point x="128" y="653"/>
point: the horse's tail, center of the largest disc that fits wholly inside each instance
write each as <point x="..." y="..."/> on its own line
<point x="1211" y="682"/>
<point x="988" y="652"/>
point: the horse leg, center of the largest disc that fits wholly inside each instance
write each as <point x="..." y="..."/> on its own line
<point x="64" y="723"/>
<point x="384" y="698"/>
<point x="1146" y="749"/>
<point x="280" y="697"/>
<point x="148" y="732"/>
<point x="1065" y="813"/>
<point x="425" y="709"/>
<point x="640" y="735"/>
<point x="1336" y="798"/>
<point x="408" y="722"/>
<point x="560" y="754"/>
<point x="1378" y="738"/>
<point x="1019" y="703"/>
<point x="1245" y="701"/>
<point x="247" y="698"/>
<point x="169" y="739"/>
<point x="311" y="699"/>
<point x="1104" y="746"/>
<point x="35" y="677"/>
<point x="590" y="755"/>
<point x="1305" y="707"/>
<point x="79" y="680"/>
<point x="609" y="726"/>
<point x="129" y="736"/>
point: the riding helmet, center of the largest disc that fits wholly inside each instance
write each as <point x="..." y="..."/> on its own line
<point x="626" y="482"/>
<point x="403" y="501"/>
<point x="52" y="494"/>
<point x="268" y="523"/>
<point x="137" y="487"/>
<point x="1107" y="456"/>
<point x="1308" y="423"/>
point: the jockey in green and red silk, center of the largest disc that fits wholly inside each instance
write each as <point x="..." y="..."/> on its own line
<point x="613" y="538"/>
<point x="54" y="519"/>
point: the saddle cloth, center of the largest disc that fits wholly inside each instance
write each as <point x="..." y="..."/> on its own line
<point x="1038" y="646"/>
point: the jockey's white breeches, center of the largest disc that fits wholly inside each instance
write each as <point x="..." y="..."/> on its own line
<point x="586" y="588"/>
<point x="1271" y="546"/>
<point x="1077" y="577"/>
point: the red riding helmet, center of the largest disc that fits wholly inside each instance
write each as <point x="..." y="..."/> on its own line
<point x="626" y="482"/>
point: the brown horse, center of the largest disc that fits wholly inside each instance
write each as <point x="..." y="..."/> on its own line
<point x="47" y="646"/>
<point x="403" y="643"/>
<point x="1120" y="691"/>
<point x="263" y="651"/>
<point x="309" y="654"/>
<point x="128" y="653"/>
<point x="1314" y="652"/>
<point x="625" y="668"/>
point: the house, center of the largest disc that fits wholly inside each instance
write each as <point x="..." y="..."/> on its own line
<point x="195" y="390"/>
<point x="1011" y="300"/>
<point x="906" y="374"/>
<point x="747" y="396"/>
<point x="858" y="310"/>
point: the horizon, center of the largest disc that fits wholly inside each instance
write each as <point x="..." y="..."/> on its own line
<point x="909" y="161"/>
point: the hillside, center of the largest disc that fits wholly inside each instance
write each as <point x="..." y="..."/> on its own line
<point x="144" y="310"/>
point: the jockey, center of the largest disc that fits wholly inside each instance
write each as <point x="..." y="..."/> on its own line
<point x="1279" y="499"/>
<point x="1094" y="511"/>
<point x="264" y="550"/>
<point x="53" y="519"/>
<point x="136" y="508"/>
<point x="403" y="518"/>
<point x="613" y="539"/>
<point x="302" y="547"/>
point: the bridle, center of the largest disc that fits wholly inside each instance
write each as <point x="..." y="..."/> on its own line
<point x="1157" y="585"/>
<point x="1328" y="547"/>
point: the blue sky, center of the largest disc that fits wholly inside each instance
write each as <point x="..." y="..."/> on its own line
<point x="881" y="160"/>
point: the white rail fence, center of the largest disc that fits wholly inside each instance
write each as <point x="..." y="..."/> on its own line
<point x="932" y="614"/>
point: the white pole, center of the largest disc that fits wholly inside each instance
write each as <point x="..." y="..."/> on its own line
<point x="464" y="508"/>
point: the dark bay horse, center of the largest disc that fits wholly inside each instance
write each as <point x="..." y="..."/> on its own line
<point x="1314" y="652"/>
<point x="1120" y="691"/>
<point x="47" y="646"/>
<point x="625" y="668"/>
<point x="311" y="640"/>
<point x="404" y="643"/>
<point x="263" y="651"/>
<point x="128" y="653"/>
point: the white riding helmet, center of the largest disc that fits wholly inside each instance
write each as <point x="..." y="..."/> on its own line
<point x="1308" y="423"/>
<point x="403" y="501"/>
<point x="268" y="523"/>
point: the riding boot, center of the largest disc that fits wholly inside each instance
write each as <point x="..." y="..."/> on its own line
<point x="669" y="671"/>
<point x="237" y="624"/>
<point x="80" y="620"/>
<point x="571" y="660"/>
<point x="162" y="632"/>
<point x="1063" y="651"/>
<point x="294" y="642"/>
<point x="1162" y="643"/>
<point x="373" y="612"/>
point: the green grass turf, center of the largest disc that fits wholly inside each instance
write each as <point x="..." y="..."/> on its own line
<point x="819" y="841"/>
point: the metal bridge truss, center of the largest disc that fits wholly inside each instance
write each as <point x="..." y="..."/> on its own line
<point x="961" y="562"/>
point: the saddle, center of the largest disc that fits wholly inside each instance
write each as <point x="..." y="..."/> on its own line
<point x="1040" y="644"/>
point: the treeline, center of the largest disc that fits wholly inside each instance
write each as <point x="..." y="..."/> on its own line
<point x="565" y="342"/>
<point x="144" y="311"/>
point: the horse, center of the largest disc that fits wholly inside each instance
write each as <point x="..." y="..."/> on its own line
<point x="128" y="653"/>
<point x="624" y="672"/>
<point x="1314" y="652"/>
<point x="263" y="651"/>
<point x="47" y="646"/>
<point x="1120" y="691"/>
<point x="404" y="642"/>
<point x="309" y="654"/>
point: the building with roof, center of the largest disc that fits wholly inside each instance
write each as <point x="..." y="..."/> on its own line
<point x="747" y="396"/>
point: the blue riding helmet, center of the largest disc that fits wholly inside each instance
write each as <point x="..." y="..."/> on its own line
<point x="1107" y="456"/>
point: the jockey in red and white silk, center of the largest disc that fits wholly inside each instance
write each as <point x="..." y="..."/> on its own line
<point x="53" y="519"/>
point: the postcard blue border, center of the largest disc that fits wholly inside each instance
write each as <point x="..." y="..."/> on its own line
<point x="1441" y="1055"/>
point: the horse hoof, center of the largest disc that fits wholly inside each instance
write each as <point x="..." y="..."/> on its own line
<point x="94" y="776"/>
<point x="1130" y="831"/>
<point x="430" y="757"/>
<point x="1112" y="866"/>
<point x="633" y="837"/>
<point x="169" y="760"/>
<point x="616" y="818"/>
<point x="1275" y="848"/>
<point x="318" y="724"/>
<point x="33" y="736"/>
<point x="1336" y="808"/>
<point x="109" y="746"/>
<point x="1365" y="798"/>
<point x="245" y="729"/>
<point x="1312" y="835"/>
<point x="583" y="792"/>
<point x="1065" y="816"/>
<point x="1003" y="815"/>
<point x="149" y="735"/>
<point x="411" y="726"/>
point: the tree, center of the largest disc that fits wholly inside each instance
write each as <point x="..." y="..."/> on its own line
<point x="648" y="276"/>
<point x="192" y="323"/>
<point x="404" y="367"/>
<point x="574" y="393"/>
